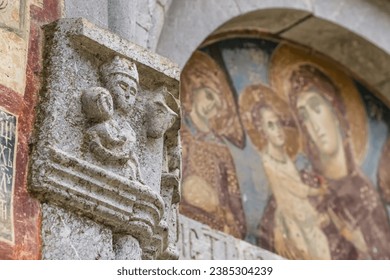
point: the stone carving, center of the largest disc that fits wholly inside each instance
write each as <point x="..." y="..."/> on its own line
<point x="121" y="78"/>
<point x="103" y="139"/>
<point x="109" y="141"/>
<point x="200" y="242"/>
<point x="160" y="117"/>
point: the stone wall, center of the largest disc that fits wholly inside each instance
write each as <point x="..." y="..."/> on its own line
<point x="350" y="31"/>
<point x="198" y="241"/>
<point x="20" y="80"/>
<point x="139" y="21"/>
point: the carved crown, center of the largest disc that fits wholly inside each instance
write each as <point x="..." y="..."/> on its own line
<point x="120" y="66"/>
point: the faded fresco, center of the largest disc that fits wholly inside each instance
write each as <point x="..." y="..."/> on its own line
<point x="283" y="149"/>
<point x="14" y="30"/>
<point x="7" y="166"/>
<point x="12" y="15"/>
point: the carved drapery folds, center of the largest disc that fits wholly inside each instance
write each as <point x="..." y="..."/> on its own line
<point x="107" y="135"/>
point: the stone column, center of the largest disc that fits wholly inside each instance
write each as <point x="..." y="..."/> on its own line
<point x="140" y="21"/>
<point x="104" y="146"/>
<point x="122" y="18"/>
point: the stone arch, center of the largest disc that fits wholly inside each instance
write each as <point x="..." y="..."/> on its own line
<point x="350" y="32"/>
<point x="325" y="28"/>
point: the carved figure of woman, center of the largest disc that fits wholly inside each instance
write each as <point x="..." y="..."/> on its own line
<point x="352" y="202"/>
<point x="210" y="190"/>
<point x="108" y="141"/>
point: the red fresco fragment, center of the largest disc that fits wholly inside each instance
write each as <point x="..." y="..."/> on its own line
<point x="27" y="216"/>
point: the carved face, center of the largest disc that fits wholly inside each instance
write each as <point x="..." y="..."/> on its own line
<point x="206" y="102"/>
<point x="105" y="104"/>
<point x="97" y="104"/>
<point x="161" y="118"/>
<point x="123" y="90"/>
<point x="320" y="121"/>
<point x="272" y="127"/>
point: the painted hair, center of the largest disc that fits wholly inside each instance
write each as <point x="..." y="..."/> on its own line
<point x="309" y="78"/>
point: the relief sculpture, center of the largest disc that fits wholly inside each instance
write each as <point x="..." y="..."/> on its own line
<point x="106" y="141"/>
<point x="310" y="169"/>
<point x="106" y="108"/>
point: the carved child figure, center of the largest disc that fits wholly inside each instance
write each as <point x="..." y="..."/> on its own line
<point x="108" y="142"/>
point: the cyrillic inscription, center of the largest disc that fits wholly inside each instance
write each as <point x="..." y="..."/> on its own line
<point x="7" y="174"/>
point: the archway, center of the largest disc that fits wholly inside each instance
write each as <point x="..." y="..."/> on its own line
<point x="358" y="95"/>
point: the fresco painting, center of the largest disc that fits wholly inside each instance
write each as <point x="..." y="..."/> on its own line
<point x="211" y="190"/>
<point x="282" y="148"/>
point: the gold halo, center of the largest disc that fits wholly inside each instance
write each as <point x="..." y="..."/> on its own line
<point x="286" y="59"/>
<point x="258" y="94"/>
<point x="202" y="71"/>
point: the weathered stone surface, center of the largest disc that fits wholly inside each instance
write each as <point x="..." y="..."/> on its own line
<point x="258" y="21"/>
<point x="199" y="242"/>
<point x="368" y="19"/>
<point x="67" y="236"/>
<point x="14" y="30"/>
<point x="351" y="31"/>
<point x="95" y="11"/>
<point x="139" y="21"/>
<point x="361" y="57"/>
<point x="198" y="18"/>
<point x="384" y="88"/>
<point x="201" y="18"/>
<point x="104" y="130"/>
<point x="126" y="248"/>
<point x="251" y="5"/>
<point x="183" y="16"/>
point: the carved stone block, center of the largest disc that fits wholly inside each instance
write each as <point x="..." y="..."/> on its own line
<point x="107" y="124"/>
<point x="198" y="241"/>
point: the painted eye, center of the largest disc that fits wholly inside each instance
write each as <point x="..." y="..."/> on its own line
<point x="209" y="96"/>
<point x="317" y="108"/>
<point x="303" y="114"/>
<point x="315" y="104"/>
<point x="271" y="125"/>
